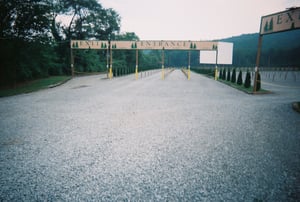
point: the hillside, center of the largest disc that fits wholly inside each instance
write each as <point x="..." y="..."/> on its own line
<point x="280" y="49"/>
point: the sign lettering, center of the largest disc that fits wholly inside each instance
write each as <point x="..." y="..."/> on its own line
<point x="279" y="22"/>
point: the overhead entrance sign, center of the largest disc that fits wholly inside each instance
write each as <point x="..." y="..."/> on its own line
<point x="224" y="56"/>
<point x="279" y="22"/>
<point x="144" y="45"/>
<point x="109" y="46"/>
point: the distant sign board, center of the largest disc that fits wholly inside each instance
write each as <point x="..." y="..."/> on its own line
<point x="279" y="22"/>
<point x="144" y="45"/>
<point x="89" y="44"/>
<point x="225" y="53"/>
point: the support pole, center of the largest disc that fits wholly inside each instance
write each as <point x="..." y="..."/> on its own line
<point x="107" y="62"/>
<point x="189" y="66"/>
<point x="110" y="68"/>
<point x="257" y="63"/>
<point x="137" y="64"/>
<point x="163" y="64"/>
<point x="72" y="60"/>
<point x="216" y="70"/>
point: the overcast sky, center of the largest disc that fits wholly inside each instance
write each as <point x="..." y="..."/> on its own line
<point x="193" y="19"/>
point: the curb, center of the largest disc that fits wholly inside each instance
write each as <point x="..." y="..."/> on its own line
<point x="60" y="83"/>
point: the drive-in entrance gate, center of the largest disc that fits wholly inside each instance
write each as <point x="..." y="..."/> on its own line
<point x="110" y="46"/>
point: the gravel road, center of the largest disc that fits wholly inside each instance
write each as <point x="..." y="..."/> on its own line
<point x="94" y="139"/>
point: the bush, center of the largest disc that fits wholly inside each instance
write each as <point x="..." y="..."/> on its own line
<point x="228" y="75"/>
<point x="258" y="82"/>
<point x="240" y="78"/>
<point x="233" y="76"/>
<point x="248" y="80"/>
<point x="224" y="74"/>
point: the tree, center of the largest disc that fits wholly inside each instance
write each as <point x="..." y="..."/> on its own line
<point x="233" y="76"/>
<point x="26" y="20"/>
<point x="32" y="26"/>
<point x="221" y="74"/>
<point x="240" y="78"/>
<point x="247" y="83"/>
<point x="228" y="75"/>
<point x="224" y="74"/>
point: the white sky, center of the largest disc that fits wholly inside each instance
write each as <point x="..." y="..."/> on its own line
<point x="193" y="19"/>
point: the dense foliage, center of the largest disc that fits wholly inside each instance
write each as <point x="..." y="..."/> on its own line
<point x="34" y="42"/>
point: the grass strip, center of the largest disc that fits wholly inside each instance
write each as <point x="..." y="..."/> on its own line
<point x="34" y="85"/>
<point x="242" y="88"/>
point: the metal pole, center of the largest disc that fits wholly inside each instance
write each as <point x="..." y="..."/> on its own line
<point x="189" y="65"/>
<point x="110" y="68"/>
<point x="136" y="64"/>
<point x="257" y="62"/>
<point x="216" y="70"/>
<point x="162" y="64"/>
<point x="72" y="59"/>
<point x="107" y="59"/>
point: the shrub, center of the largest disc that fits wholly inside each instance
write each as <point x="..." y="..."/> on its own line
<point x="224" y="74"/>
<point x="233" y="76"/>
<point x="248" y="80"/>
<point x="228" y="75"/>
<point x="240" y="78"/>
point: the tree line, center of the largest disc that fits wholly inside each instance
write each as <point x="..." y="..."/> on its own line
<point x="35" y="42"/>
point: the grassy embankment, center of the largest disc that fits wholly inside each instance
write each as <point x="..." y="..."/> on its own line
<point x="242" y="88"/>
<point x="210" y="73"/>
<point x="34" y="85"/>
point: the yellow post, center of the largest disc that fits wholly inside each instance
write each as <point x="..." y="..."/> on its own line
<point x="110" y="69"/>
<point x="136" y="72"/>
<point x="162" y="64"/>
<point x="189" y="72"/>
<point x="216" y="73"/>
<point x="110" y="72"/>
<point x="137" y="62"/>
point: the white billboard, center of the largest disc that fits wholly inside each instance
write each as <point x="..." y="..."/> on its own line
<point x="225" y="53"/>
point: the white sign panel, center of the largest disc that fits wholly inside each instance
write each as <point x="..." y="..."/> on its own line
<point x="208" y="57"/>
<point x="225" y="54"/>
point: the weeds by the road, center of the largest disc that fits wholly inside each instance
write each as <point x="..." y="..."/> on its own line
<point x="34" y="85"/>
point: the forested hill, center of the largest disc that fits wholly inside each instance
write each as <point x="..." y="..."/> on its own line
<point x="279" y="50"/>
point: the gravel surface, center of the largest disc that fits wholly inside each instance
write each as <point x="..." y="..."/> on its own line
<point x="94" y="139"/>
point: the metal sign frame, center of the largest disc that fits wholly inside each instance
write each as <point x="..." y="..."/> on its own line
<point x="280" y="22"/>
<point x="277" y="22"/>
<point x="143" y="45"/>
<point x="139" y="45"/>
